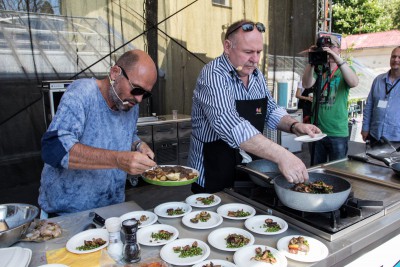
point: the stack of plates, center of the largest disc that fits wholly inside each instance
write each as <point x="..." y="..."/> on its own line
<point x="15" y="256"/>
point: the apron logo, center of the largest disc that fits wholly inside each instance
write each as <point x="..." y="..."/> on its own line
<point x="258" y="111"/>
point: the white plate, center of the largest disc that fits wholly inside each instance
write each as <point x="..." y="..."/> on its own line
<point x="152" y="218"/>
<point x="167" y="253"/>
<point x="78" y="239"/>
<point x="217" y="238"/>
<point x="256" y="223"/>
<point x="191" y="200"/>
<point x="144" y="234"/>
<point x="214" y="221"/>
<point x="242" y="257"/>
<point x="307" y="138"/>
<point x="223" y="263"/>
<point x="161" y="210"/>
<point x="318" y="251"/>
<point x="15" y="256"/>
<point x="223" y="210"/>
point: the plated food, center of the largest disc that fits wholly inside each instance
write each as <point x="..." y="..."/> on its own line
<point x="236" y="211"/>
<point x="145" y="218"/>
<point x="202" y="219"/>
<point x="157" y="235"/>
<point x="172" y="209"/>
<point x="203" y="200"/>
<point x="91" y="244"/>
<point x="266" y="225"/>
<point x="298" y="245"/>
<point x="170" y="175"/>
<point x="263" y="255"/>
<point x="230" y="238"/>
<point x="215" y="263"/>
<point x="259" y="255"/>
<point x="302" y="248"/>
<point x="76" y="242"/>
<point x="185" y="251"/>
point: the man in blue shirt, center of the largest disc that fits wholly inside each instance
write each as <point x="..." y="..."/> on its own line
<point x="381" y="115"/>
<point x="92" y="141"/>
<point x="231" y="104"/>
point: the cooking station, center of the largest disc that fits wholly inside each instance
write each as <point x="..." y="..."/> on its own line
<point x="346" y="238"/>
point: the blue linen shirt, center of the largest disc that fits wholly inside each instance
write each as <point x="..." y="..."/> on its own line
<point x="83" y="116"/>
<point x="214" y="114"/>
<point x="380" y="121"/>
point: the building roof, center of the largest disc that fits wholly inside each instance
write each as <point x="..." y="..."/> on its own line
<point x="372" y="40"/>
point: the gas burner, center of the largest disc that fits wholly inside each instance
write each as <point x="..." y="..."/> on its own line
<point x="353" y="211"/>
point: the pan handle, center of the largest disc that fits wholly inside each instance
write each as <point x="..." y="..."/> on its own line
<point x="384" y="160"/>
<point x="256" y="173"/>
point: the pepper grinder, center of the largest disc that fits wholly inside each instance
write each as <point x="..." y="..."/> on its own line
<point x="131" y="249"/>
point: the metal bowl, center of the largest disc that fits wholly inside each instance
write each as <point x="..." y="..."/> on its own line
<point x="18" y="219"/>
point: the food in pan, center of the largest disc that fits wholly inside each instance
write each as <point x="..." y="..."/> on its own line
<point x="206" y="200"/>
<point x="271" y="226"/>
<point x="162" y="235"/>
<point x="201" y="216"/>
<point x="188" y="251"/>
<point x="236" y="241"/>
<point x="177" y="211"/>
<point x="265" y="256"/>
<point x="298" y="244"/>
<point x="170" y="173"/>
<point x="43" y="231"/>
<point x="238" y="213"/>
<point x="92" y="244"/>
<point x="318" y="187"/>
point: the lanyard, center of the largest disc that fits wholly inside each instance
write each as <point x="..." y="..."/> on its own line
<point x="391" y="88"/>
<point x="330" y="78"/>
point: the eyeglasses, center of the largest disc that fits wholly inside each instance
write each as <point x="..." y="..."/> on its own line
<point x="248" y="27"/>
<point x="136" y="90"/>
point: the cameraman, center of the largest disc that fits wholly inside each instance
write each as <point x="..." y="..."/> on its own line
<point x="337" y="79"/>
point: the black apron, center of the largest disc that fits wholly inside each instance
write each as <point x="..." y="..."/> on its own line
<point x="219" y="159"/>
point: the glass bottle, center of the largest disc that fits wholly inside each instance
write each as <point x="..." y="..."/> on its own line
<point x="131" y="249"/>
<point x="115" y="246"/>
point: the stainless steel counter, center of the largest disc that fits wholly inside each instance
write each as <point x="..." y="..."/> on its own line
<point x="71" y="225"/>
<point x="144" y="121"/>
<point x="341" y="251"/>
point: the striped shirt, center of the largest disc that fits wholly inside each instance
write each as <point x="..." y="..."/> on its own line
<point x="214" y="114"/>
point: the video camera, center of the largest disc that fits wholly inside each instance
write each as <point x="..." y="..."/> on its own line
<point x="319" y="56"/>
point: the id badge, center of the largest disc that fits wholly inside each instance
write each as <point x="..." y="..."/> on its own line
<point x="382" y="104"/>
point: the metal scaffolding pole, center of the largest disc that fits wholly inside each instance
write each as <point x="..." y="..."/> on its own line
<point x="324" y="16"/>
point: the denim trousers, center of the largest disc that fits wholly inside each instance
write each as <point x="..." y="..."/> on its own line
<point x="330" y="148"/>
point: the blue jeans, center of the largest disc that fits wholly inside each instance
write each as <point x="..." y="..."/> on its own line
<point x="330" y="149"/>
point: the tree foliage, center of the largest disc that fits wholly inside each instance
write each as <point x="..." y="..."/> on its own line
<point x="360" y="16"/>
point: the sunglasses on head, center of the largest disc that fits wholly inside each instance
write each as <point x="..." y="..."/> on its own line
<point x="248" y="27"/>
<point x="136" y="90"/>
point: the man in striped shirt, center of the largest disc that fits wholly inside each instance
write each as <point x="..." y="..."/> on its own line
<point x="231" y="104"/>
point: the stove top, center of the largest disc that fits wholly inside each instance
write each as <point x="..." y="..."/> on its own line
<point x="329" y="225"/>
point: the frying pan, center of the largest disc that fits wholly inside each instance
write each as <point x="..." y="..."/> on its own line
<point x="313" y="202"/>
<point x="261" y="167"/>
<point x="395" y="166"/>
<point x="305" y="201"/>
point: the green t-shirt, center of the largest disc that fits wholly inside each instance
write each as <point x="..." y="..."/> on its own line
<point x="333" y="115"/>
